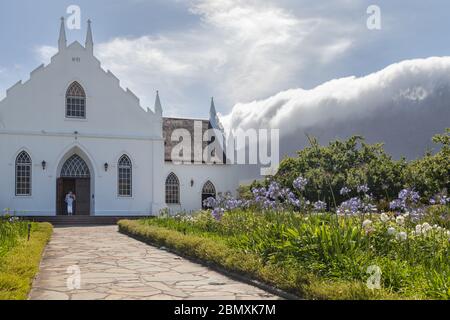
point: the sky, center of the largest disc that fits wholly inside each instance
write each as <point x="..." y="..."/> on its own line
<point x="245" y="53"/>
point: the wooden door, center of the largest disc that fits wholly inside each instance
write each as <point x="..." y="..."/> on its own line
<point x="59" y="196"/>
<point x="83" y="194"/>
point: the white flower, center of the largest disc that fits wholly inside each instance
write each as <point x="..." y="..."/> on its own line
<point x="384" y="217"/>
<point x="426" y="228"/>
<point x="402" y="236"/>
<point x="366" y="224"/>
<point x="400" y="220"/>
<point x="391" y="231"/>
<point x="418" y="229"/>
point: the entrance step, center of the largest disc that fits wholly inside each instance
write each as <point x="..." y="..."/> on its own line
<point x="81" y="220"/>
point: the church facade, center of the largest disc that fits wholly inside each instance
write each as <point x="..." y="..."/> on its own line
<point x="71" y="127"/>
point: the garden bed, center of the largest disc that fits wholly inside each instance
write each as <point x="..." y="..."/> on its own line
<point x="329" y="268"/>
<point x="20" y="258"/>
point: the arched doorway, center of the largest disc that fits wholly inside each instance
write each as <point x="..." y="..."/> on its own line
<point x="74" y="176"/>
<point x="208" y="191"/>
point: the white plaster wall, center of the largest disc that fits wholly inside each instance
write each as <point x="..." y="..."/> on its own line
<point x="224" y="177"/>
<point x="32" y="118"/>
<point x="39" y="103"/>
<point x="96" y="152"/>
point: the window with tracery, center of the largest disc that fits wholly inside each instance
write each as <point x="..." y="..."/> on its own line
<point x="76" y="101"/>
<point x="125" y="175"/>
<point x="23" y="174"/>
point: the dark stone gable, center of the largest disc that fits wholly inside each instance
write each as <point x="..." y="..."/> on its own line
<point x="171" y="124"/>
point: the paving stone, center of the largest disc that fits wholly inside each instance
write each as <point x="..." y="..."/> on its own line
<point x="40" y="294"/>
<point x="88" y="296"/>
<point x="116" y="267"/>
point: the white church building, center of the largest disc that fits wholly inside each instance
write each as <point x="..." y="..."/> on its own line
<point x="71" y="127"/>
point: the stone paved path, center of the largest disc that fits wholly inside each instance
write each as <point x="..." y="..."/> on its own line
<point x="116" y="267"/>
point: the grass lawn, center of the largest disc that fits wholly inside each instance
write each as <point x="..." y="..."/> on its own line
<point x="20" y="259"/>
<point x="311" y="256"/>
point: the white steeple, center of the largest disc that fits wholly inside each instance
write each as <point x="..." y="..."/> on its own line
<point x="212" y="111"/>
<point x="89" y="40"/>
<point x="158" y="106"/>
<point x="213" y="117"/>
<point x="62" y="42"/>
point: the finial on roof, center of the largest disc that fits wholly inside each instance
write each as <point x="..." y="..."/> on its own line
<point x="158" y="106"/>
<point x="62" y="42"/>
<point x="89" y="39"/>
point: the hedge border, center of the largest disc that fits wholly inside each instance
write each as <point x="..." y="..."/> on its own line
<point x="129" y="228"/>
<point x="19" y="267"/>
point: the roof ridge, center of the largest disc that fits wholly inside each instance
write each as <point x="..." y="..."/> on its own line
<point x="185" y="118"/>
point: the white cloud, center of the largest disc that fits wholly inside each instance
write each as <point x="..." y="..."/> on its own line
<point x="239" y="50"/>
<point x="44" y="53"/>
<point x="402" y="105"/>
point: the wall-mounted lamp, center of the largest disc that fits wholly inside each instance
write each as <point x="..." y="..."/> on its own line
<point x="44" y="165"/>
<point x="192" y="182"/>
<point x="106" y="165"/>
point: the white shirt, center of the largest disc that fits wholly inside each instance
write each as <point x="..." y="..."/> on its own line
<point x="69" y="200"/>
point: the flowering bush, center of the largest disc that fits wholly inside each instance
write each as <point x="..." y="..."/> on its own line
<point x="346" y="169"/>
<point x="413" y="256"/>
<point x="272" y="198"/>
<point x="342" y="232"/>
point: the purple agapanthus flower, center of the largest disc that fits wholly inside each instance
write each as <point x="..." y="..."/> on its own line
<point x="274" y="190"/>
<point x="300" y="183"/>
<point x="345" y="191"/>
<point x="320" y="206"/>
<point x="363" y="188"/>
<point x="440" y="198"/>
<point x="353" y="205"/>
<point x="409" y="195"/>
<point x="396" y="204"/>
<point x="218" y="213"/>
<point x="211" y="202"/>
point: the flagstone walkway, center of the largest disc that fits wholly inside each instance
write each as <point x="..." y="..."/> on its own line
<point x="113" y="266"/>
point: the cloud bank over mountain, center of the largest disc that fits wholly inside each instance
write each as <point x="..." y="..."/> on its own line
<point x="403" y="105"/>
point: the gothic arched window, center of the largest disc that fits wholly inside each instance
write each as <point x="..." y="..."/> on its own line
<point x="125" y="175"/>
<point x="75" y="167"/>
<point x="23" y="174"/>
<point x="172" y="189"/>
<point x="208" y="191"/>
<point x="76" y="101"/>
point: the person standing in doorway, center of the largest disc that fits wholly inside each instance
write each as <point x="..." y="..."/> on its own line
<point x="70" y="199"/>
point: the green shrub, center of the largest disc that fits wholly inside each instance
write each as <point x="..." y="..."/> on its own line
<point x="20" y="264"/>
<point x="354" y="162"/>
<point x="11" y="230"/>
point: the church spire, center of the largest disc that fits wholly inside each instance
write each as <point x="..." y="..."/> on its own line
<point x="62" y="42"/>
<point x="158" y="106"/>
<point x="212" y="111"/>
<point x="213" y="117"/>
<point x="89" y="41"/>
